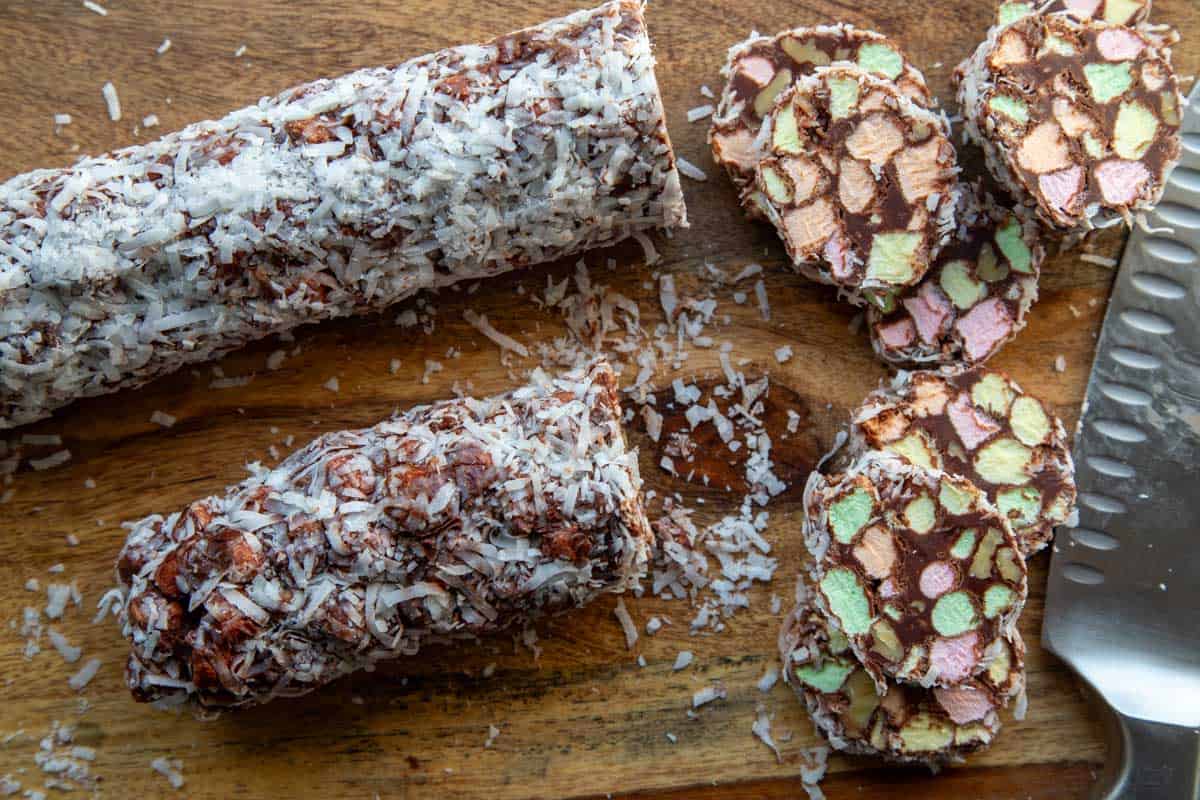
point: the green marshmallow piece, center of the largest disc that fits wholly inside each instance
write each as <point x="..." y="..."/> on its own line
<point x="785" y="137"/>
<point x="847" y="601"/>
<point x="993" y="394"/>
<point x="955" y="499"/>
<point x="880" y="59"/>
<point x="766" y="97"/>
<point x="1029" y="421"/>
<point x="891" y="259"/>
<point x="1021" y="505"/>
<point x="1012" y="107"/>
<point x="849" y="514"/>
<point x="1012" y="244"/>
<point x="843" y="96"/>
<point x="953" y="614"/>
<point x="963" y="290"/>
<point x="997" y="599"/>
<point x="1056" y="44"/>
<point x="803" y="52"/>
<point x="926" y="734"/>
<point x="1004" y="462"/>
<point x="920" y="514"/>
<point x="1134" y="131"/>
<point x="1108" y="80"/>
<point x="912" y="448"/>
<point x="964" y="545"/>
<point x="826" y="678"/>
<point x="777" y="188"/>
<point x="884" y="301"/>
<point x="988" y="266"/>
<point x="1093" y="146"/>
<point x="1119" y="12"/>
<point x="1011" y="12"/>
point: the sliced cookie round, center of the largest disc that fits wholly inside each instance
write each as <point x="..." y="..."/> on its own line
<point x="1078" y="120"/>
<point x="900" y="722"/>
<point x="974" y="298"/>
<point x="915" y="566"/>
<point x="977" y="423"/>
<point x="860" y="182"/>
<point x="760" y="68"/>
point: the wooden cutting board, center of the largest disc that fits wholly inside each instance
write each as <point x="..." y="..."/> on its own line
<point x="581" y="719"/>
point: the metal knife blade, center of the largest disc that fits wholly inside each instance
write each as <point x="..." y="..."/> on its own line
<point x="1123" y="600"/>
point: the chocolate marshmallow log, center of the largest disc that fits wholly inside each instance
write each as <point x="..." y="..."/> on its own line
<point x="900" y="722"/>
<point x="1078" y="120"/>
<point x="974" y="298"/>
<point x="1114" y="12"/>
<point x="979" y="424"/>
<point x="915" y="567"/>
<point x="334" y="198"/>
<point x="859" y="181"/>
<point x="760" y="68"/>
<point x="459" y="518"/>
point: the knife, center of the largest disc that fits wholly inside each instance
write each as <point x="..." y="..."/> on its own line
<point x="1123" y="599"/>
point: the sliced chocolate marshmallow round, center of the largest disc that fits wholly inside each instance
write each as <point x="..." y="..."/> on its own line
<point x="979" y="424"/>
<point x="974" y="298"/>
<point x="859" y="181"/>
<point x="916" y="567"/>
<point x="1079" y="120"/>
<point x="761" y="68"/>
<point x="900" y="722"/>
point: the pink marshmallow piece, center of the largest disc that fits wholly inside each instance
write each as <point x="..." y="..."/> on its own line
<point x="898" y="334"/>
<point x="953" y="659"/>
<point x="937" y="579"/>
<point x="1062" y="187"/>
<point x="838" y="257"/>
<point x="1119" y="44"/>
<point x="983" y="327"/>
<point x="757" y="69"/>
<point x="929" y="310"/>
<point x="963" y="703"/>
<point x="972" y="427"/>
<point x="1121" y="181"/>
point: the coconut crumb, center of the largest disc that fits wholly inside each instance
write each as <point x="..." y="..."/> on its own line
<point x="699" y="112"/>
<point x="708" y="694"/>
<point x="431" y="368"/>
<point x="62" y="119"/>
<point x="95" y="8"/>
<point x="492" y="734"/>
<point x="84" y="676"/>
<point x="1103" y="261"/>
<point x="690" y="170"/>
<point x="241" y="51"/>
<point x="394" y="366"/>
<point x="653" y="625"/>
<point x="69" y="652"/>
<point x="332" y="385"/>
<point x="171" y="769"/>
<point x="505" y="342"/>
<point x="707" y="92"/>
<point x="111" y="101"/>
<point x="627" y="624"/>
<point x="51" y="461"/>
<point x="683" y="660"/>
<point x="150" y="121"/>
<point x="769" y="679"/>
<point x="162" y="418"/>
<point x="762" y="730"/>
<point x="672" y="738"/>
<point x="1060" y="363"/>
<point x="89" y="483"/>
<point x="783" y="355"/>
<point x="764" y="305"/>
<point x="164" y="47"/>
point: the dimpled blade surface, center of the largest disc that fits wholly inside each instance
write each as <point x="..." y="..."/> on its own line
<point x="1123" y="601"/>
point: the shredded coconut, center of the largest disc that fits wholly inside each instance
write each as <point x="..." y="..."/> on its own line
<point x="162" y="418"/>
<point x="164" y="47"/>
<point x="708" y="694"/>
<point x="627" y="624"/>
<point x="1103" y="261"/>
<point x="95" y="7"/>
<point x="480" y="323"/>
<point x="682" y="660"/>
<point x="51" y="461"/>
<point x="699" y="112"/>
<point x="111" y="101"/>
<point x="690" y="170"/>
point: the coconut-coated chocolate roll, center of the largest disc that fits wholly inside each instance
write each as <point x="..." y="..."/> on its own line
<point x="337" y="197"/>
<point x="456" y="519"/>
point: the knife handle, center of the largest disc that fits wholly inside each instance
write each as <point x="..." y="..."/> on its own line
<point x="1149" y="761"/>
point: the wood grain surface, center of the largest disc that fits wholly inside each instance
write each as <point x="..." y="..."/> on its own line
<point x="582" y="719"/>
